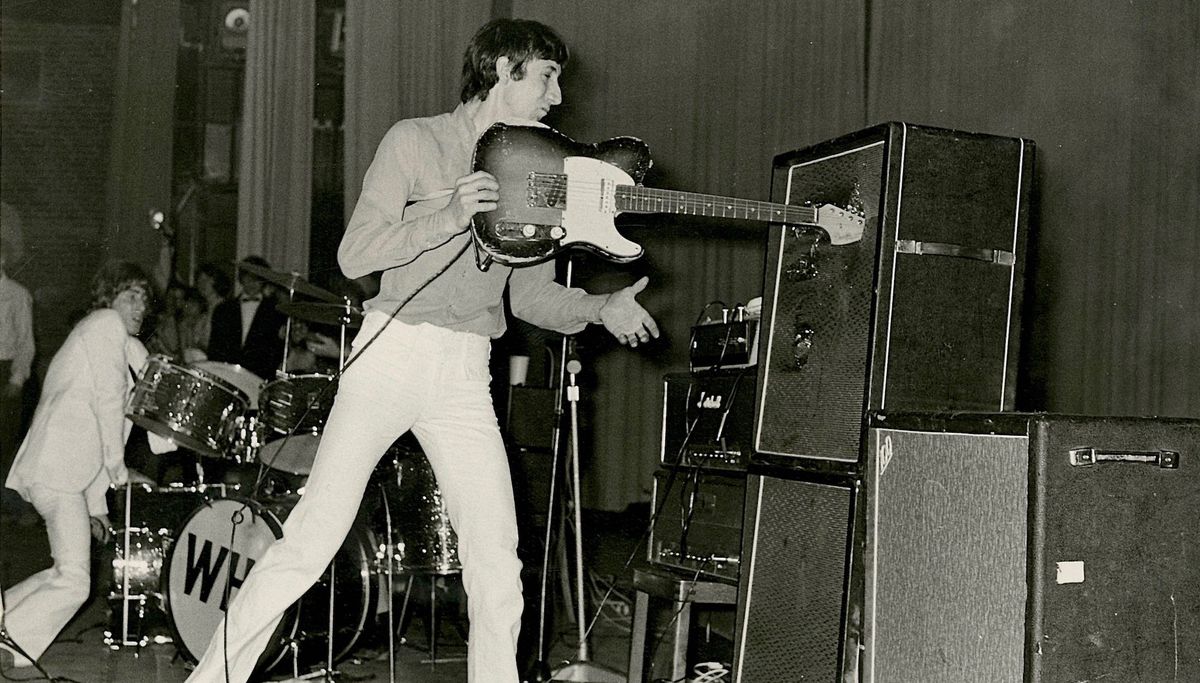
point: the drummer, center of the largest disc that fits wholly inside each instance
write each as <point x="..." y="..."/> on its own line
<point x="74" y="451"/>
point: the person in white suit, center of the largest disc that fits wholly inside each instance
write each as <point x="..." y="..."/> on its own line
<point x="74" y="451"/>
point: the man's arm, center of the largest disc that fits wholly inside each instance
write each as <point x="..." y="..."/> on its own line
<point x="537" y="299"/>
<point x="384" y="230"/>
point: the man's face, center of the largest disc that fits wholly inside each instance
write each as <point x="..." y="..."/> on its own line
<point x="530" y="96"/>
<point x="131" y="304"/>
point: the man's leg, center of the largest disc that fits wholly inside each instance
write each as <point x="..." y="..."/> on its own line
<point x="41" y="605"/>
<point x="461" y="438"/>
<point x="373" y="407"/>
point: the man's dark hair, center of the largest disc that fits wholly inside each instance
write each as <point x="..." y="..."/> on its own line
<point x="518" y="39"/>
<point x="115" y="277"/>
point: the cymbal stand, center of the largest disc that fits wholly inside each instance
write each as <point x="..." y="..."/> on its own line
<point x="329" y="672"/>
<point x="287" y="328"/>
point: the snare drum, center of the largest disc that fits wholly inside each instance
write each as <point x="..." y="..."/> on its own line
<point x="195" y="409"/>
<point x="202" y="560"/>
<point x="292" y="412"/>
<point x="240" y="377"/>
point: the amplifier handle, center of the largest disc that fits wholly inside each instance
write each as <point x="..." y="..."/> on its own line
<point x="997" y="256"/>
<point x="1083" y="457"/>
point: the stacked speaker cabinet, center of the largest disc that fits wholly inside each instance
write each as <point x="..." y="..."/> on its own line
<point x="921" y="314"/>
<point x="981" y="547"/>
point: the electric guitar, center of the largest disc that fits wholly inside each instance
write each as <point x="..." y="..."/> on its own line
<point x="557" y="193"/>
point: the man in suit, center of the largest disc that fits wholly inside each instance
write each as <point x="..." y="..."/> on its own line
<point x="246" y="329"/>
<point x="74" y="451"/>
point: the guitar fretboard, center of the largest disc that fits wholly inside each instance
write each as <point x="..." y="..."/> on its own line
<point x="637" y="199"/>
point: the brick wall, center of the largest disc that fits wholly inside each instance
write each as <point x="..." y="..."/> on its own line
<point x="54" y="144"/>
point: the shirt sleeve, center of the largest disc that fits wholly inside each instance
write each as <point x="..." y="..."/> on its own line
<point x="22" y="320"/>
<point x="380" y="234"/>
<point x="537" y="299"/>
<point x="105" y="346"/>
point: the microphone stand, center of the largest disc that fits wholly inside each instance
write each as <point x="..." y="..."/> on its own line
<point x="582" y="670"/>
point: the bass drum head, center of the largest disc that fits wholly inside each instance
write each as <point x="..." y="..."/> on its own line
<point x="202" y="559"/>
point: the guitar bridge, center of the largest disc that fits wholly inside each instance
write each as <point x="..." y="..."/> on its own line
<point x="546" y="191"/>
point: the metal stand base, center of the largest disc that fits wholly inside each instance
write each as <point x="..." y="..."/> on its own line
<point x="587" y="672"/>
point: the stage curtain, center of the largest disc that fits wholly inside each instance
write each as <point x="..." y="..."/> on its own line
<point x="1112" y="99"/>
<point x="403" y="59"/>
<point x="275" y="168"/>
<point x="715" y="89"/>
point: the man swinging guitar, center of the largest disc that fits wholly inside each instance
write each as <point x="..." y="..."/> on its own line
<point x="557" y="193"/>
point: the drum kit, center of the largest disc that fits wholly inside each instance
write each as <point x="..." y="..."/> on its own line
<point x="186" y="565"/>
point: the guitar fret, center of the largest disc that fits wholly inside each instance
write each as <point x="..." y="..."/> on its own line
<point x="652" y="200"/>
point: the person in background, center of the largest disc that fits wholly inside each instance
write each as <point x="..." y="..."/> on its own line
<point x="215" y="287"/>
<point x="16" y="342"/>
<point x="74" y="451"/>
<point x="245" y="330"/>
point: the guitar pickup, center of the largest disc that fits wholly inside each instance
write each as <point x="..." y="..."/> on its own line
<point x="546" y="191"/>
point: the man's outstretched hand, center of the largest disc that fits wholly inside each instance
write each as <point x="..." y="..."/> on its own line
<point x="625" y="318"/>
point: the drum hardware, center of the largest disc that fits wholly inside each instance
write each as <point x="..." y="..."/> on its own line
<point x="139" y="548"/>
<point x="343" y="313"/>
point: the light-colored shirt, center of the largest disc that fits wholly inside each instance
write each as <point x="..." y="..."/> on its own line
<point x="16" y="329"/>
<point x="394" y="229"/>
<point x="249" y="308"/>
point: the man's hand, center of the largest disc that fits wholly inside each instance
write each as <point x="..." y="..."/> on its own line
<point x="100" y="528"/>
<point x="473" y="194"/>
<point x="625" y="318"/>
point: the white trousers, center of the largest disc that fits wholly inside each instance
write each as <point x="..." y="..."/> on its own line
<point x="39" y="607"/>
<point x="435" y="382"/>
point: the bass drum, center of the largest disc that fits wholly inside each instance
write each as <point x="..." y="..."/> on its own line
<point x="220" y="543"/>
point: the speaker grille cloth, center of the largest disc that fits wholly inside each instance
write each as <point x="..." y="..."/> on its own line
<point x="816" y="410"/>
<point x="794" y="612"/>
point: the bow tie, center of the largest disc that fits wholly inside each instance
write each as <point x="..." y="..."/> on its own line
<point x="251" y="298"/>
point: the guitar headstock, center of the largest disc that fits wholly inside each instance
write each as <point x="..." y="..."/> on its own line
<point x="845" y="226"/>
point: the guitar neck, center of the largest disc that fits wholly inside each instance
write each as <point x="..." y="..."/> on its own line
<point x="637" y="199"/>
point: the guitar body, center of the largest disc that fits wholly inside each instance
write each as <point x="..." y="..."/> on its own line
<point x="537" y="169"/>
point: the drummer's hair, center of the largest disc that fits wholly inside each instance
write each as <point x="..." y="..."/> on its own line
<point x="115" y="277"/>
<point x="518" y="39"/>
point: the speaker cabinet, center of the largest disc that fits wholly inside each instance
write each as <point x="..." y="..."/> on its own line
<point x="920" y="314"/>
<point x="990" y="547"/>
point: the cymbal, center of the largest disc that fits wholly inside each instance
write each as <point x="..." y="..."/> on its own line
<point x="328" y="314"/>
<point x="293" y="281"/>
